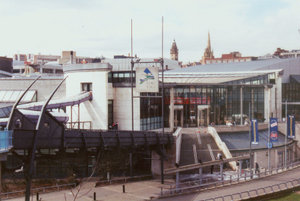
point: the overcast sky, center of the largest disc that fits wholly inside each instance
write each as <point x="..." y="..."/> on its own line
<point x="102" y="27"/>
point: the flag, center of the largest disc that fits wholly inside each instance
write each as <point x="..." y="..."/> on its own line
<point x="273" y="130"/>
<point x="290" y="126"/>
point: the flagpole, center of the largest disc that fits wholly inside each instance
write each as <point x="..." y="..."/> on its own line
<point x="250" y="145"/>
<point x="268" y="144"/>
<point x="286" y="129"/>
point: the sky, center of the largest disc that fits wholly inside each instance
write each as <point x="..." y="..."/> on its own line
<point x="102" y="27"/>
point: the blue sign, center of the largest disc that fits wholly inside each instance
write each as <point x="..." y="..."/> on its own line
<point x="254" y="131"/>
<point x="273" y="130"/>
<point x="290" y="126"/>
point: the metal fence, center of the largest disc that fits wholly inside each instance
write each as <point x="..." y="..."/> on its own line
<point x="5" y="140"/>
<point x="204" y="184"/>
<point x="258" y="192"/>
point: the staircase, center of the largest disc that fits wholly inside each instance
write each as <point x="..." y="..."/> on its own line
<point x="206" y="147"/>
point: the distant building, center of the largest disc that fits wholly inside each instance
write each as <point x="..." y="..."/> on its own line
<point x="290" y="54"/>
<point x="278" y="52"/>
<point x="68" y="57"/>
<point x="6" y="64"/>
<point x="174" y="51"/>
<point x="229" y="58"/>
<point x="20" y="57"/>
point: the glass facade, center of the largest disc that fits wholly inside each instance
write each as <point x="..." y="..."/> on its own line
<point x="291" y="93"/>
<point x="121" y="78"/>
<point x="203" y="105"/>
<point x="150" y="111"/>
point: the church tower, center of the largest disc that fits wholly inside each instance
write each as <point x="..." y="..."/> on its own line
<point x="174" y="51"/>
<point x="208" y="53"/>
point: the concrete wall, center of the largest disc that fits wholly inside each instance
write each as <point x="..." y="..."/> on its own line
<point x="277" y="155"/>
<point x="238" y="128"/>
<point x="97" y="109"/>
<point x="122" y="108"/>
<point x="169" y="162"/>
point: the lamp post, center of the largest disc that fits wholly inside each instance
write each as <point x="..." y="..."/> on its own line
<point x="250" y="141"/>
<point x="285" y="143"/>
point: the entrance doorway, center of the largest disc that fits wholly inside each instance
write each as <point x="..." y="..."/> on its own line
<point x="203" y="115"/>
<point x="178" y="115"/>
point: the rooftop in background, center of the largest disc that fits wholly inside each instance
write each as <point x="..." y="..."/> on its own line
<point x="229" y="58"/>
<point x="124" y="63"/>
<point x="225" y="72"/>
<point x="87" y="67"/>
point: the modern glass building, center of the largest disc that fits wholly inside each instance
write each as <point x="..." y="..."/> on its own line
<point x="223" y="93"/>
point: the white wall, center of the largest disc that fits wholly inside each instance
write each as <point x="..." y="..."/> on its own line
<point x="122" y="108"/>
<point x="95" y="110"/>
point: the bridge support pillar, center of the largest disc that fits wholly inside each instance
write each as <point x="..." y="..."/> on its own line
<point x="240" y="169"/>
<point x="0" y="177"/>
<point x="177" y="180"/>
<point x="200" y="175"/>
<point x="221" y="171"/>
<point x="162" y="178"/>
<point x="130" y="164"/>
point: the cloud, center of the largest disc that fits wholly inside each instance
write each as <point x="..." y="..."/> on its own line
<point x="94" y="28"/>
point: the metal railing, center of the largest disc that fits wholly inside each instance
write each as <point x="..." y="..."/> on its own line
<point x="79" y="125"/>
<point x="204" y="184"/>
<point x="45" y="189"/>
<point x="258" y="192"/>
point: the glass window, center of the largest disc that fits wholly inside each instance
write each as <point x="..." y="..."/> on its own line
<point x="86" y="86"/>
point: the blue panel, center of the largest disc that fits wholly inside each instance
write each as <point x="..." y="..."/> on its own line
<point x="5" y="140"/>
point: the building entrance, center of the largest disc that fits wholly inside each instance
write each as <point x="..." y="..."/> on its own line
<point x="178" y="116"/>
<point x="203" y="115"/>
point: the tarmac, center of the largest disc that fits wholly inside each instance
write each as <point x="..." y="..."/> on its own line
<point x="134" y="191"/>
<point x="151" y="189"/>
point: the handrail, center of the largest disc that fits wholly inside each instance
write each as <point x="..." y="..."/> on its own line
<point x="234" y="179"/>
<point x="178" y="135"/>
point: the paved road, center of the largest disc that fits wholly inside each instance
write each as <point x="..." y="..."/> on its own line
<point x="135" y="191"/>
<point x="144" y="190"/>
<point x="264" y="182"/>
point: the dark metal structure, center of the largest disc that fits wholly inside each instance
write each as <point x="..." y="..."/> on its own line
<point x="49" y="133"/>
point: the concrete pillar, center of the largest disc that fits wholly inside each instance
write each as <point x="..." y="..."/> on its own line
<point x="197" y="161"/>
<point x="171" y="115"/>
<point x="181" y="119"/>
<point x="200" y="175"/>
<point x="276" y="158"/>
<point x="241" y="105"/>
<point x="0" y="177"/>
<point x="207" y="116"/>
<point x="177" y="180"/>
<point x="130" y="165"/>
<point x="252" y="104"/>
<point x="221" y="171"/>
<point x="198" y="117"/>
<point x="240" y="169"/>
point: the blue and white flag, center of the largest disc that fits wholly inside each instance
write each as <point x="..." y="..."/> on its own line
<point x="273" y="130"/>
<point x="291" y="126"/>
<point x="254" y="131"/>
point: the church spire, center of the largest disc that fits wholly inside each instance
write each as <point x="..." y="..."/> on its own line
<point x="174" y="51"/>
<point x="208" y="53"/>
<point x="208" y="42"/>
